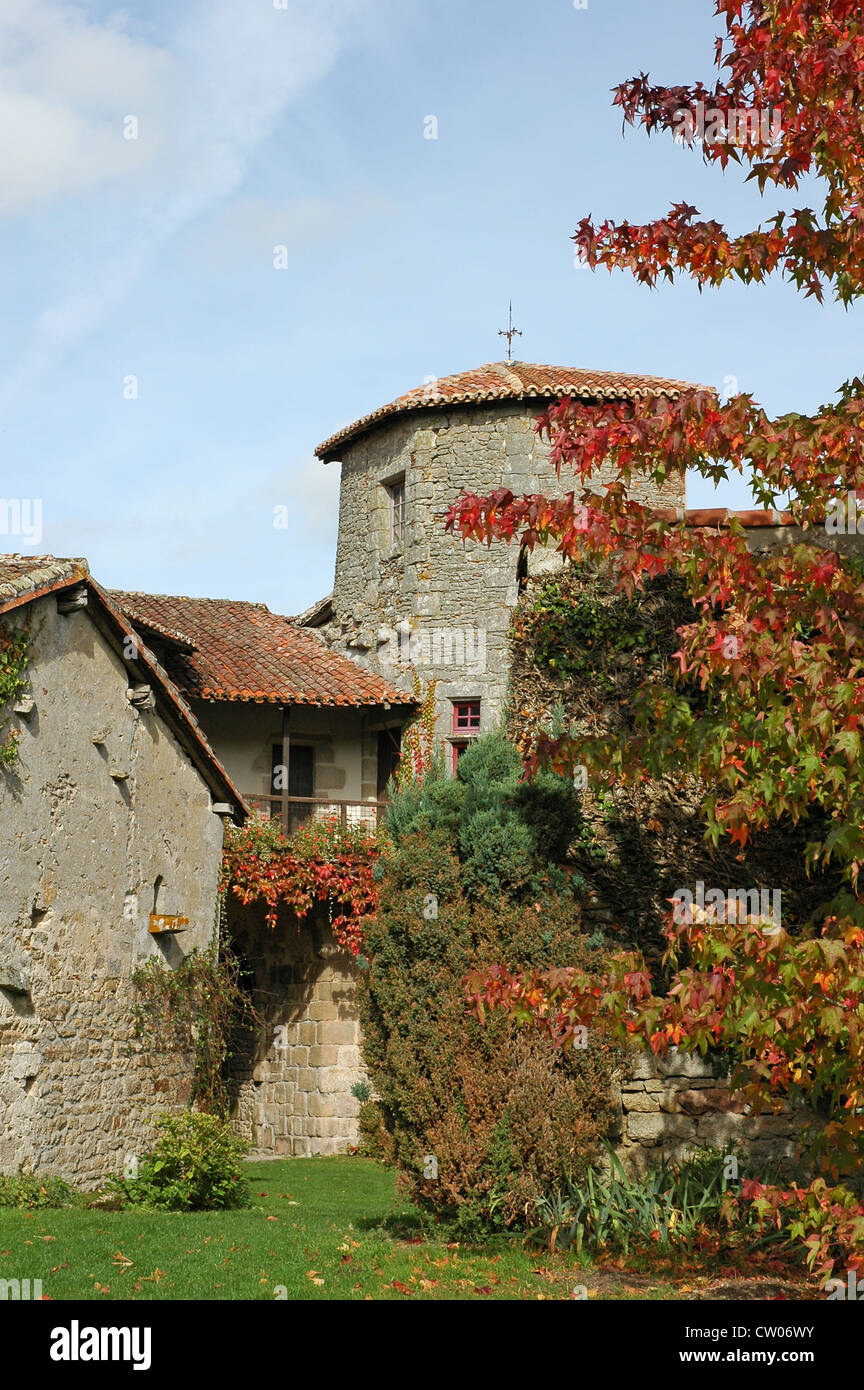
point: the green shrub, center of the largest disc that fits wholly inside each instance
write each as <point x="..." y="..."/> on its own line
<point x="504" y="1114"/>
<point x="506" y="832"/>
<point x="550" y="808"/>
<point x="195" y="1165"/>
<point x="30" y="1190"/>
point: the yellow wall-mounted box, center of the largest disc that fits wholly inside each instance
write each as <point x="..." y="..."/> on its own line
<point x="164" y="922"/>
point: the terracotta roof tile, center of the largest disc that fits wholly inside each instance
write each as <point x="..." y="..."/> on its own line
<point x="226" y="649"/>
<point x="699" y="517"/>
<point x="510" y="381"/>
<point x="24" y="577"/>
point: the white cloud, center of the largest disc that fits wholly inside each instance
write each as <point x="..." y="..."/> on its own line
<point x="226" y="75"/>
<point x="66" y="85"/>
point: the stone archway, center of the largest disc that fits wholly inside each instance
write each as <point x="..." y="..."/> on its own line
<point x="292" y="1080"/>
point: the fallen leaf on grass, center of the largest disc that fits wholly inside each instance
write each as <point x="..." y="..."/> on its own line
<point x="403" y="1288"/>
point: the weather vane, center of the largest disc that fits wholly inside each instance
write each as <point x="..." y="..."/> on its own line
<point x="510" y="333"/>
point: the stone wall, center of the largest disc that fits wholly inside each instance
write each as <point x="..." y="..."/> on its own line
<point x="293" y="1088"/>
<point x="437" y="588"/>
<point x="102" y="820"/>
<point x="293" y="1084"/>
<point x="666" y="1106"/>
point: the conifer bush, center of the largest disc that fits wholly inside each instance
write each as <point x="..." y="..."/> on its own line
<point x="502" y="1116"/>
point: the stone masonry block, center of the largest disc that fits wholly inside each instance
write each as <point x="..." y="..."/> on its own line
<point x="645" y="1127"/>
<point x="336" y="1032"/>
<point x="323" y="1057"/>
<point x="334" y="1079"/>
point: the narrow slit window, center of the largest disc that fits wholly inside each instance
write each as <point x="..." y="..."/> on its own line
<point x="396" y="492"/>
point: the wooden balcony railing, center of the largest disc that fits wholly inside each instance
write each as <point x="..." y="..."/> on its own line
<point x="293" y="811"/>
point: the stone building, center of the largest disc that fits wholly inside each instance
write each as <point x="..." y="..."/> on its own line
<point x="305" y="733"/>
<point x="111" y="826"/>
<point x="301" y="730"/>
<point x="408" y="593"/>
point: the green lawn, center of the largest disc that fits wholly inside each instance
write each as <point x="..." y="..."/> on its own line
<point x="329" y="1228"/>
<point x="322" y="1228"/>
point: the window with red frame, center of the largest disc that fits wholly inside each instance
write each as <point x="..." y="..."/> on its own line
<point x="466" y="716"/>
<point x="457" y="750"/>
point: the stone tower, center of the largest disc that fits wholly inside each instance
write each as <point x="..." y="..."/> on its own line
<point x="406" y="592"/>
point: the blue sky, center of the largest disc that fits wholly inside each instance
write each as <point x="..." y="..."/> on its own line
<point x="303" y="126"/>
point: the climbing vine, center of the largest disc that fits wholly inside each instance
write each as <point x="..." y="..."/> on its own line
<point x="14" y="655"/>
<point x="200" y="1006"/>
<point x="579" y="628"/>
<point x="324" y="862"/>
<point x="418" y="740"/>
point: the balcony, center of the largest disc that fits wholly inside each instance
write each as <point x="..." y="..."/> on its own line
<point x="294" y="811"/>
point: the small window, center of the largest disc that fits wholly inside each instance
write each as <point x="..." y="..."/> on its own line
<point x="466" y="716"/>
<point x="396" y="491"/>
<point x="457" y="750"/>
<point x="301" y="770"/>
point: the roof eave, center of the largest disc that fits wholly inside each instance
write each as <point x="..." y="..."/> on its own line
<point x="330" y="450"/>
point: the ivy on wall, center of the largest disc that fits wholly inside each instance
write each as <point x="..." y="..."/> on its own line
<point x="581" y="650"/>
<point x="418" y="740"/>
<point x="201" y="1007"/>
<point x="14" y="657"/>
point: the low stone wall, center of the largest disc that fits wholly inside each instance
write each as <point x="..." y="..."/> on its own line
<point x="667" y="1105"/>
<point x="293" y="1085"/>
<point x="293" y="1088"/>
<point x="77" y="1087"/>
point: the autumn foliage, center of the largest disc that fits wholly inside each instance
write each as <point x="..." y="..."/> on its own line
<point x="321" y="863"/>
<point x="776" y="641"/>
